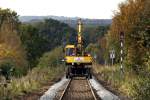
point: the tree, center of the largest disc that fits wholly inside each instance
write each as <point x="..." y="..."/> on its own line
<point x="10" y="43"/>
<point x="133" y="19"/>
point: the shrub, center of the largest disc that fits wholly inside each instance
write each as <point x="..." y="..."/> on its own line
<point x="7" y="68"/>
<point x="51" y="58"/>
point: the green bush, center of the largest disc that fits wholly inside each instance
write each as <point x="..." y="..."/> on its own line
<point x="7" y="68"/>
<point x="51" y="58"/>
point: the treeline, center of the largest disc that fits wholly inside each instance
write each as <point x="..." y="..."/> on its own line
<point x="22" y="44"/>
<point x="133" y="19"/>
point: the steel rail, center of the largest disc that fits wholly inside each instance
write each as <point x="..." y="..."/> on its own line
<point x="92" y="90"/>
<point x="63" y="93"/>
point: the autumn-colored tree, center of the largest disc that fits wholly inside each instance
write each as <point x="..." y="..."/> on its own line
<point x="133" y="19"/>
<point x="10" y="44"/>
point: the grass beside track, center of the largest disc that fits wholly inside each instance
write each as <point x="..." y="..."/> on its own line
<point x="29" y="83"/>
<point x="135" y="87"/>
<point x="48" y="69"/>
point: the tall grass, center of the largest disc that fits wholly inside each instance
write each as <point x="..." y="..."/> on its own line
<point x="128" y="83"/>
<point x="47" y="70"/>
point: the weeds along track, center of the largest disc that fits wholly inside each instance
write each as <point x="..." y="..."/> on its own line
<point x="78" y="88"/>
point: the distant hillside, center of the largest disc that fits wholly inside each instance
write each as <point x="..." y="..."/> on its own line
<point x="72" y="21"/>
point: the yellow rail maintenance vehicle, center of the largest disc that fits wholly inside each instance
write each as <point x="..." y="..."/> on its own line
<point x="78" y="61"/>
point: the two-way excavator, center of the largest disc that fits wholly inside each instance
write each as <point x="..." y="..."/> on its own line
<point x="77" y="60"/>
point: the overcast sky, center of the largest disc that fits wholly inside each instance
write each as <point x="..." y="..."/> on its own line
<point x="100" y="9"/>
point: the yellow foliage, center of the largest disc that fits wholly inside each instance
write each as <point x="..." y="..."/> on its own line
<point x="10" y="43"/>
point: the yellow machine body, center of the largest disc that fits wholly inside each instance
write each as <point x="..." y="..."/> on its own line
<point x="79" y="60"/>
<point x="72" y="59"/>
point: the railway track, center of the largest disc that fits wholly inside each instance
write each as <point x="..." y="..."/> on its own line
<point x="78" y="89"/>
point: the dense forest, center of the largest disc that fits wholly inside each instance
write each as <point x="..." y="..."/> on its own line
<point x="44" y="36"/>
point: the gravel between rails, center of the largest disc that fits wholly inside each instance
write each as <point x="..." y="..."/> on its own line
<point x="78" y="90"/>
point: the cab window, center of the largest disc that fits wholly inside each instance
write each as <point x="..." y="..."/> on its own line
<point x="70" y="52"/>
